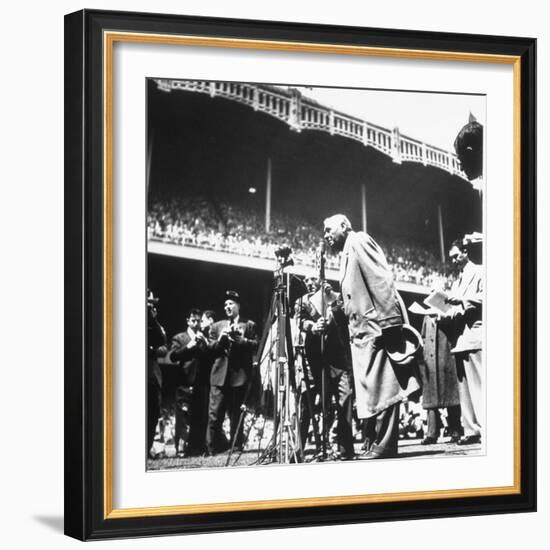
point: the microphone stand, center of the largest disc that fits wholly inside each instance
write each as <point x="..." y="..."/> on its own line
<point x="321" y="261"/>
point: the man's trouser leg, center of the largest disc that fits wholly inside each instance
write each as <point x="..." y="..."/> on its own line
<point x="235" y="400"/>
<point x="305" y="418"/>
<point x="341" y="388"/>
<point x="153" y="413"/>
<point x="368" y="431"/>
<point x="216" y="414"/>
<point x="434" y="423"/>
<point x="468" y="367"/>
<point x="453" y="421"/>
<point x="198" y="419"/>
<point x="387" y="431"/>
<point x="182" y="411"/>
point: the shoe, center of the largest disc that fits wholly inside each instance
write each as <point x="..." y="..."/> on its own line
<point x="429" y="440"/>
<point x="455" y="438"/>
<point x="193" y="451"/>
<point x="378" y="453"/>
<point x="469" y="440"/>
<point x="371" y="455"/>
<point x="343" y="456"/>
<point x="349" y="456"/>
<point x="367" y="445"/>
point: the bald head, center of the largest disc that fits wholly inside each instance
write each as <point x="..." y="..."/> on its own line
<point x="336" y="230"/>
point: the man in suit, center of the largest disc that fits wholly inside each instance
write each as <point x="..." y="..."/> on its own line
<point x="334" y="355"/>
<point x="466" y="298"/>
<point x="189" y="350"/>
<point x="207" y="320"/>
<point x="233" y="342"/>
<point x="375" y="320"/>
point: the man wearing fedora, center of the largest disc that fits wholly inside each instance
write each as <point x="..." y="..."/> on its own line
<point x="233" y="342"/>
<point x="383" y="346"/>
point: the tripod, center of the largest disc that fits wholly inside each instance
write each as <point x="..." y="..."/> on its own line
<point x="277" y="353"/>
<point x="285" y="445"/>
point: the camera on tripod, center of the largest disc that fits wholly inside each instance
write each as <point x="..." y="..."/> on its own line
<point x="283" y="255"/>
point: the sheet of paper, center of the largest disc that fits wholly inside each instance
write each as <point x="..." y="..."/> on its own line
<point x="419" y="309"/>
<point x="438" y="300"/>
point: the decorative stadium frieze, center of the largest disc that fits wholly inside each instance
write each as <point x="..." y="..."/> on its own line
<point x="302" y="113"/>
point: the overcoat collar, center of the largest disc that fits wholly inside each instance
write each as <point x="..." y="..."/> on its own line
<point x="344" y="258"/>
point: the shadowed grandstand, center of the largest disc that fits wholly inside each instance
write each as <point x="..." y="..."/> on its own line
<point x="208" y="153"/>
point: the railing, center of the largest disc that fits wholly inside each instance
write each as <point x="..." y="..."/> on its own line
<point x="302" y="113"/>
<point x="263" y="259"/>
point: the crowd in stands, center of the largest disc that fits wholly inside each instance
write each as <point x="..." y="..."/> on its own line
<point x="414" y="264"/>
<point x="223" y="227"/>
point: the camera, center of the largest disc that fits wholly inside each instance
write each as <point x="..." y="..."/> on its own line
<point x="282" y="253"/>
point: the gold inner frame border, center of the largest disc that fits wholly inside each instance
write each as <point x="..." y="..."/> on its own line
<point x="109" y="39"/>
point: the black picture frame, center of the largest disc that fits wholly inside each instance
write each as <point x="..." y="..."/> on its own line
<point x="87" y="516"/>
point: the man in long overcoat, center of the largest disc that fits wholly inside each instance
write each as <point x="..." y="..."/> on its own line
<point x="233" y="342"/>
<point x="439" y="378"/>
<point x="371" y="305"/>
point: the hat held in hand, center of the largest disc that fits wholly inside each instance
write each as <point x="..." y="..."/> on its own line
<point x="403" y="345"/>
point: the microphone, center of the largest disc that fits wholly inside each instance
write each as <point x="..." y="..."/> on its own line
<point x="321" y="249"/>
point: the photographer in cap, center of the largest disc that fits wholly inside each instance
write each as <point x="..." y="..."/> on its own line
<point x="233" y="342"/>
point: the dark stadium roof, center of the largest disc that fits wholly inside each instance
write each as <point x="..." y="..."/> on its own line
<point x="218" y="148"/>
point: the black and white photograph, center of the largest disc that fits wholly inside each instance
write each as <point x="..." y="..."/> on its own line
<point x="276" y="268"/>
<point x="315" y="274"/>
